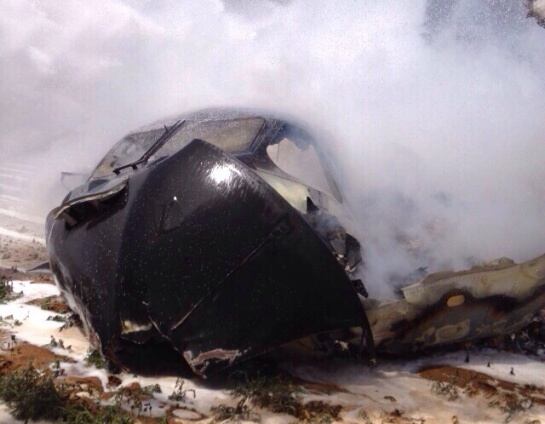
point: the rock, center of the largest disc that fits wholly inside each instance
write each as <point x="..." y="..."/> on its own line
<point x="186" y="414"/>
<point x="113" y="381"/>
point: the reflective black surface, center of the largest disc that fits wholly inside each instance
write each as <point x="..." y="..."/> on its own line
<point x="200" y="260"/>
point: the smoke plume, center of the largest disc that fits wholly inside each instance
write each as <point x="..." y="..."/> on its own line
<point x="435" y="109"/>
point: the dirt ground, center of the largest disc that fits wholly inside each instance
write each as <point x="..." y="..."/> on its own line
<point x="19" y="254"/>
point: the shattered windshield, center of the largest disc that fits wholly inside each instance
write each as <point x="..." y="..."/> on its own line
<point x="296" y="155"/>
<point x="234" y="135"/>
<point x="129" y="149"/>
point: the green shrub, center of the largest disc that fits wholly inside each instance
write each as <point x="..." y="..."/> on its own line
<point x="31" y="395"/>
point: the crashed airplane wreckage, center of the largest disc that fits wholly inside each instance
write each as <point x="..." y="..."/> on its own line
<point x="189" y="237"/>
<point x="211" y="239"/>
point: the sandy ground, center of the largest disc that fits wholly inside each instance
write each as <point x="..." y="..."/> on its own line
<point x="492" y="387"/>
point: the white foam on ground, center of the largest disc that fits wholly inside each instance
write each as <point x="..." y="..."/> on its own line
<point x="9" y="198"/>
<point x="18" y="169"/>
<point x="20" y="236"/>
<point x="10" y="188"/>
<point x="6" y="176"/>
<point x="21" y="216"/>
<point x="362" y="388"/>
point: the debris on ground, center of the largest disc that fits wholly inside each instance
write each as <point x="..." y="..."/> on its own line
<point x="53" y="304"/>
<point x="511" y="398"/>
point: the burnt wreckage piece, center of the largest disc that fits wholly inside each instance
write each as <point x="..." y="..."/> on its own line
<point x="192" y="240"/>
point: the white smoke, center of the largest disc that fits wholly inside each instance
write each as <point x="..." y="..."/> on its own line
<point x="437" y="108"/>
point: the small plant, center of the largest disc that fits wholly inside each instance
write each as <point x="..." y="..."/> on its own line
<point x="6" y="290"/>
<point x="151" y="389"/>
<point x="512" y="405"/>
<point x="179" y="394"/>
<point x="445" y="389"/>
<point x="364" y="417"/>
<point x="274" y="393"/>
<point x="53" y="343"/>
<point x="131" y="398"/>
<point x="31" y="395"/>
<point x="111" y="414"/>
<point x="70" y="321"/>
<point x="240" y="412"/>
<point x="136" y="398"/>
<point x="52" y="304"/>
<point x="56" y="369"/>
<point x="280" y="394"/>
<point x="56" y="318"/>
<point x="94" y="358"/>
<point x="317" y="411"/>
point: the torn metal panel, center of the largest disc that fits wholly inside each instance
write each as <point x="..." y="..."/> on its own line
<point x="445" y="308"/>
<point x="200" y="363"/>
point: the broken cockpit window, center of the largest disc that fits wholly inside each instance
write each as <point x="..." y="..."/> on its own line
<point x="229" y="135"/>
<point x="295" y="157"/>
<point x="302" y="163"/>
<point x="131" y="148"/>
